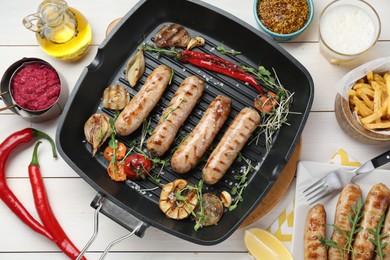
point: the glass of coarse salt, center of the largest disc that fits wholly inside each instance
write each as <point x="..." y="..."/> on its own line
<point x="347" y="28"/>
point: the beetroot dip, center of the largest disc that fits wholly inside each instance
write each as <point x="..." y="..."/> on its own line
<point x="35" y="86"/>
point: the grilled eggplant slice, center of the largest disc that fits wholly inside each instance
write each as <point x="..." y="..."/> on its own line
<point x="172" y="35"/>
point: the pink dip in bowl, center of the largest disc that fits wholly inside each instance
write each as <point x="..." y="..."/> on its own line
<point x="35" y="86"/>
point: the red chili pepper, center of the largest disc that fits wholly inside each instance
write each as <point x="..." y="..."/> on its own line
<point x="219" y="65"/>
<point x="9" y="198"/>
<point x="44" y="210"/>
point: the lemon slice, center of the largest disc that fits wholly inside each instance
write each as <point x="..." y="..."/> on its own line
<point x="263" y="245"/>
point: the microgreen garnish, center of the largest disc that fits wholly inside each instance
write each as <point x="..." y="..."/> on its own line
<point x="223" y="50"/>
<point x="165" y="116"/>
<point x="171" y="77"/>
<point x="241" y="177"/>
<point x="377" y="241"/>
<point x="354" y="220"/>
<point x="113" y="142"/>
<point x="180" y="140"/>
<point x="200" y="213"/>
<point x="146" y="130"/>
<point x="273" y="121"/>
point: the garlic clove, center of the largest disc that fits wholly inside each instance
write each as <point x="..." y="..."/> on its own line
<point x="135" y="67"/>
<point x="196" y="42"/>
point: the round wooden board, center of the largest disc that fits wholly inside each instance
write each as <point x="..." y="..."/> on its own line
<point x="277" y="191"/>
<point x="281" y="185"/>
<point x="112" y="25"/>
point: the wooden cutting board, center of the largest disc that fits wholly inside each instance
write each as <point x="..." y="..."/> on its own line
<point x="278" y="190"/>
<point x="281" y="185"/>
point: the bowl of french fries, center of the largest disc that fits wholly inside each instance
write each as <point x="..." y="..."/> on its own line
<point x="362" y="105"/>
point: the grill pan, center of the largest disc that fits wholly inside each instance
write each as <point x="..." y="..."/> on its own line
<point x="126" y="204"/>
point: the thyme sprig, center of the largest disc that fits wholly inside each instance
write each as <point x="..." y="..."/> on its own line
<point x="354" y="220"/>
<point x="223" y="50"/>
<point x="238" y="189"/>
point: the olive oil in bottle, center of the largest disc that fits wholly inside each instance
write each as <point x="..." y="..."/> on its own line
<point x="61" y="31"/>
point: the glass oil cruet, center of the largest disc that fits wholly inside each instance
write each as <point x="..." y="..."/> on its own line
<point x="61" y="31"/>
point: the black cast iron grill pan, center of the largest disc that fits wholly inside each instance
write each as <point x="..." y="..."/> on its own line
<point x="218" y="28"/>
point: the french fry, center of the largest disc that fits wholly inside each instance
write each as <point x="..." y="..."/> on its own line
<point x="386" y="77"/>
<point x="361" y="85"/>
<point x="367" y="95"/>
<point x="376" y="115"/>
<point x="378" y="78"/>
<point x="362" y="108"/>
<point x="381" y="125"/>
<point x="370" y="99"/>
<point x="377" y="99"/>
<point x="370" y="76"/>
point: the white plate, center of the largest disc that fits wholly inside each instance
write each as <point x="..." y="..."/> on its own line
<point x="307" y="172"/>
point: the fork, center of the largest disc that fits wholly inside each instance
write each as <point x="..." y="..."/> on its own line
<point x="337" y="179"/>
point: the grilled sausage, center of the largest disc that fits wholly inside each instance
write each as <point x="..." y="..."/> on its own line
<point x="180" y="107"/>
<point x="386" y="238"/>
<point x="172" y="35"/>
<point x="199" y="140"/>
<point x="234" y="139"/>
<point x="144" y="101"/>
<point x="348" y="196"/>
<point x="375" y="206"/>
<point x="315" y="227"/>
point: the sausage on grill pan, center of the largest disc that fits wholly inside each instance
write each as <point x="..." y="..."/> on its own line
<point x="180" y="107"/>
<point x="234" y="139"/>
<point x="191" y="150"/>
<point x="144" y="101"/>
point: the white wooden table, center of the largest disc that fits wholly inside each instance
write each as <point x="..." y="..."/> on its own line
<point x="71" y="196"/>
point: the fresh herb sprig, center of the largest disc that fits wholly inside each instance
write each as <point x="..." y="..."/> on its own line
<point x="113" y="142"/>
<point x="354" y="220"/>
<point x="273" y="121"/>
<point x="223" y="50"/>
<point x="238" y="189"/>
<point x="200" y="212"/>
<point x="377" y="241"/>
<point x="199" y="215"/>
<point x="166" y="115"/>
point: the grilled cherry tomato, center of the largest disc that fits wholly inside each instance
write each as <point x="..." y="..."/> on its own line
<point x="137" y="166"/>
<point x="120" y="152"/>
<point x="266" y="103"/>
<point x="116" y="171"/>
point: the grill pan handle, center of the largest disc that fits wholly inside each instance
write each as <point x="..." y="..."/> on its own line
<point x="122" y="217"/>
<point x="119" y="215"/>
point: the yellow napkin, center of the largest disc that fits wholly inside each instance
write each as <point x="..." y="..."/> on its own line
<point x="282" y="228"/>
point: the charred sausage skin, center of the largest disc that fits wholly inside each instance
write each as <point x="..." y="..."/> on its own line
<point x="180" y="107"/>
<point x="234" y="139"/>
<point x="144" y="101"/>
<point x="315" y="227"/>
<point x="348" y="196"/>
<point x="377" y="201"/>
<point x="191" y="150"/>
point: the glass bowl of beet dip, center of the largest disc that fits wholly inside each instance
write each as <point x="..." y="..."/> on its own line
<point x="33" y="89"/>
